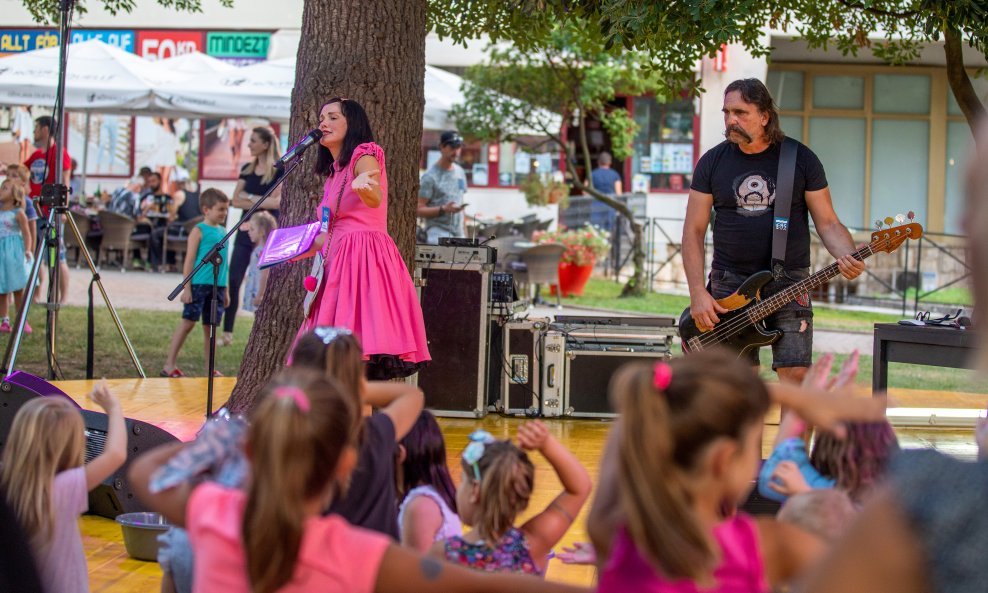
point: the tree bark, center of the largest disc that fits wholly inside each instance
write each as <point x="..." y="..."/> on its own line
<point x="373" y="52"/>
<point x="960" y="82"/>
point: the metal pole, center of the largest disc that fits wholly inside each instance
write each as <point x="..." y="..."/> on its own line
<point x="85" y="161"/>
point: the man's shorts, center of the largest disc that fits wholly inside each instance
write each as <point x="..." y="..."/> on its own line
<point x="40" y="238"/>
<point x="199" y="307"/>
<point x="795" y="319"/>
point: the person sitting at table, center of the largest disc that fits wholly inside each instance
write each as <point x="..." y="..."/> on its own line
<point x="158" y="209"/>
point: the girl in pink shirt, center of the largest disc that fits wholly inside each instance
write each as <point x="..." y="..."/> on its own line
<point x="687" y="446"/>
<point x="46" y="480"/>
<point x="302" y="446"/>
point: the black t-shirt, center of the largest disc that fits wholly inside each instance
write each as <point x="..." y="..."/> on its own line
<point x="371" y="501"/>
<point x="743" y="187"/>
<point x="253" y="185"/>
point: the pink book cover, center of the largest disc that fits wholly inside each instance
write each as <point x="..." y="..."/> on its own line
<point x="287" y="243"/>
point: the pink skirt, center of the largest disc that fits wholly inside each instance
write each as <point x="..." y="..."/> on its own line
<point x="368" y="289"/>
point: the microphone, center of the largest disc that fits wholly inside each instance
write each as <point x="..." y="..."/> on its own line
<point x="297" y="150"/>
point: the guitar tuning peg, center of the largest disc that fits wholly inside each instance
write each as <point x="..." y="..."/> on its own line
<point x="889" y="220"/>
<point x="878" y="224"/>
<point x="911" y="215"/>
<point x="900" y="218"/>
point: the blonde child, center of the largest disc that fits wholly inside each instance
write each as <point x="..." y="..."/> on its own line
<point x="14" y="254"/>
<point x="427" y="513"/>
<point x="197" y="295"/>
<point x="686" y="445"/>
<point x="495" y="487"/>
<point x="22" y="176"/>
<point x="258" y="229"/>
<point x="45" y="480"/>
<point x="302" y="445"/>
<point x="371" y="498"/>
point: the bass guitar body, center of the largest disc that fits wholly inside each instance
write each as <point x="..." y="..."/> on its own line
<point x="735" y="330"/>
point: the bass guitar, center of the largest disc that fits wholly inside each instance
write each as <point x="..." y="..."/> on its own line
<point x="743" y="326"/>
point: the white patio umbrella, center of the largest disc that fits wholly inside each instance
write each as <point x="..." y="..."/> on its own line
<point x="99" y="77"/>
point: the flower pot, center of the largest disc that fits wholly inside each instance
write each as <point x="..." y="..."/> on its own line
<point x="573" y="278"/>
<point x="556" y="195"/>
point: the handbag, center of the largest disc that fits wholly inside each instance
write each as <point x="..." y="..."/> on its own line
<point x="317" y="275"/>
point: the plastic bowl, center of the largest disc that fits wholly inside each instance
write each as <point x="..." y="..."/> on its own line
<point x="140" y="533"/>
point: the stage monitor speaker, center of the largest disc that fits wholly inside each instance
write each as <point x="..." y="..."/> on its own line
<point x="520" y="365"/>
<point x="114" y="496"/>
<point x="454" y="304"/>
<point x="589" y="372"/>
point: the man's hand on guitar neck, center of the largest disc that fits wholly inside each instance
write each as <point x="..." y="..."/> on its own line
<point x="850" y="267"/>
<point x="704" y="310"/>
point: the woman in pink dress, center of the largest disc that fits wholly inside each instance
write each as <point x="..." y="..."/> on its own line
<point x="366" y="286"/>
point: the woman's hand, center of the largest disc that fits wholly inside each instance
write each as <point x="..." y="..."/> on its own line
<point x="368" y="186"/>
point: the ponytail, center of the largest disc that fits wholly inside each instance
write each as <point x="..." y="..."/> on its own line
<point x="296" y="438"/>
<point x="657" y="508"/>
<point x="668" y="415"/>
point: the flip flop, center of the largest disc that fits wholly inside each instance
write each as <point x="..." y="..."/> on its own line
<point x="176" y="373"/>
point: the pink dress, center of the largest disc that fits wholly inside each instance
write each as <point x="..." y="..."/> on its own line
<point x="366" y="286"/>
<point x="741" y="569"/>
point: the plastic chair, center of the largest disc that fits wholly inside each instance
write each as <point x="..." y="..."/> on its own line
<point x="179" y="244"/>
<point x="507" y="253"/>
<point x="118" y="236"/>
<point x="542" y="267"/>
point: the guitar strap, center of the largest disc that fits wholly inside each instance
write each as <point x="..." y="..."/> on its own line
<point x="783" y="204"/>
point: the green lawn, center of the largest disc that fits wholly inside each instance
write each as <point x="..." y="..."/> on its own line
<point x="603" y="294"/>
<point x="149" y="333"/>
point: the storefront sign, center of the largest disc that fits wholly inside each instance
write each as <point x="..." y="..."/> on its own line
<point x="238" y="45"/>
<point x="20" y="40"/>
<point x="116" y="37"/>
<point x="158" y="45"/>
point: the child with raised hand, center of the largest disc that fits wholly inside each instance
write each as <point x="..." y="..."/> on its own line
<point x="687" y="444"/>
<point x="495" y="487"/>
<point x="261" y="225"/>
<point x="15" y="235"/>
<point x="371" y="498"/>
<point x="427" y="513"/>
<point x="302" y="446"/>
<point x="852" y="464"/>
<point x="46" y="481"/>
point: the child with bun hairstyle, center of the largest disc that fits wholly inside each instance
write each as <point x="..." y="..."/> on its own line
<point x="495" y="487"/>
<point x="302" y="445"/>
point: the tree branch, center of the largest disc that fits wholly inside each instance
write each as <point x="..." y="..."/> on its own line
<point x="960" y="82"/>
<point x="877" y="11"/>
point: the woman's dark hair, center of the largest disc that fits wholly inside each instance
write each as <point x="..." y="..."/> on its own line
<point x="425" y="460"/>
<point x="358" y="131"/>
<point x="755" y="92"/>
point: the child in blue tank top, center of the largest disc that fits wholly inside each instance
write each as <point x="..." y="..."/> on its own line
<point x="197" y="295"/>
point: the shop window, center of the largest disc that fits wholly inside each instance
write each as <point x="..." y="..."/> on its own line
<point x="838" y="92"/>
<point x="663" y="149"/>
<point x="902" y="93"/>
<point x="529" y="154"/>
<point x="840" y="144"/>
<point x="900" y="157"/>
<point x="959" y="141"/>
<point x="980" y="89"/>
<point x="792" y="126"/>
<point x="786" y="87"/>
<point x="224" y="147"/>
<point x="108" y="140"/>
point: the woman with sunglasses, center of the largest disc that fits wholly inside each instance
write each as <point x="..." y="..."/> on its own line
<point x="365" y="285"/>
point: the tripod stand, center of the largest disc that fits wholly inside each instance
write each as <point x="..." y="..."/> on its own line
<point x="54" y="197"/>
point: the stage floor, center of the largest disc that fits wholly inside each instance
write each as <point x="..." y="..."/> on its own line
<point x="178" y="406"/>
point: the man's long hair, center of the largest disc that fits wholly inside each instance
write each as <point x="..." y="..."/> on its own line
<point x="755" y="92"/>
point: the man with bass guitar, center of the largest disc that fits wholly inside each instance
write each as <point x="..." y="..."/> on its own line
<point x="737" y="179"/>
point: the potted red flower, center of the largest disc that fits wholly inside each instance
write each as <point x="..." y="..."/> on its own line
<point x="583" y="247"/>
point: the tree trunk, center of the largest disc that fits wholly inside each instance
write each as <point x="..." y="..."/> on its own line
<point x="373" y="52"/>
<point x="960" y="82"/>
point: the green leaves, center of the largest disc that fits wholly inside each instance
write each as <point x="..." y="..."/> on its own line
<point x="46" y="11"/>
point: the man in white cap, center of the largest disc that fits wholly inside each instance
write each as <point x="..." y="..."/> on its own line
<point x="441" y="192"/>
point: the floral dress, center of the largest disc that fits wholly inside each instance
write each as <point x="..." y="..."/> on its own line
<point x="509" y="555"/>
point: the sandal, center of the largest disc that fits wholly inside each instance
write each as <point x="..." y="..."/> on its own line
<point x="176" y="373"/>
<point x="226" y="339"/>
<point x="217" y="373"/>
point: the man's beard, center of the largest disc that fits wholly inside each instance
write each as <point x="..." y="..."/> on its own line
<point x="737" y="129"/>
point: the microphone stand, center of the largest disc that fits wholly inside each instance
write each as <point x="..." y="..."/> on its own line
<point x="215" y="257"/>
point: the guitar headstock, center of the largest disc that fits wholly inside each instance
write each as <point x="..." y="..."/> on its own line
<point x="889" y="238"/>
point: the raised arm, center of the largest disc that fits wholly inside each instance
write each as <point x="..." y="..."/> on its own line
<point x="115" y="450"/>
<point x="171" y="503"/>
<point x="703" y="307"/>
<point x="400" y="401"/>
<point x="548" y="527"/>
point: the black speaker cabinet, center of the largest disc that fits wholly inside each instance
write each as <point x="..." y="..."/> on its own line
<point x="589" y="371"/>
<point x="454" y="303"/>
<point x="114" y="496"/>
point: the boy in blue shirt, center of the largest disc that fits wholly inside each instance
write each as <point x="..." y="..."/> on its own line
<point x="198" y="294"/>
